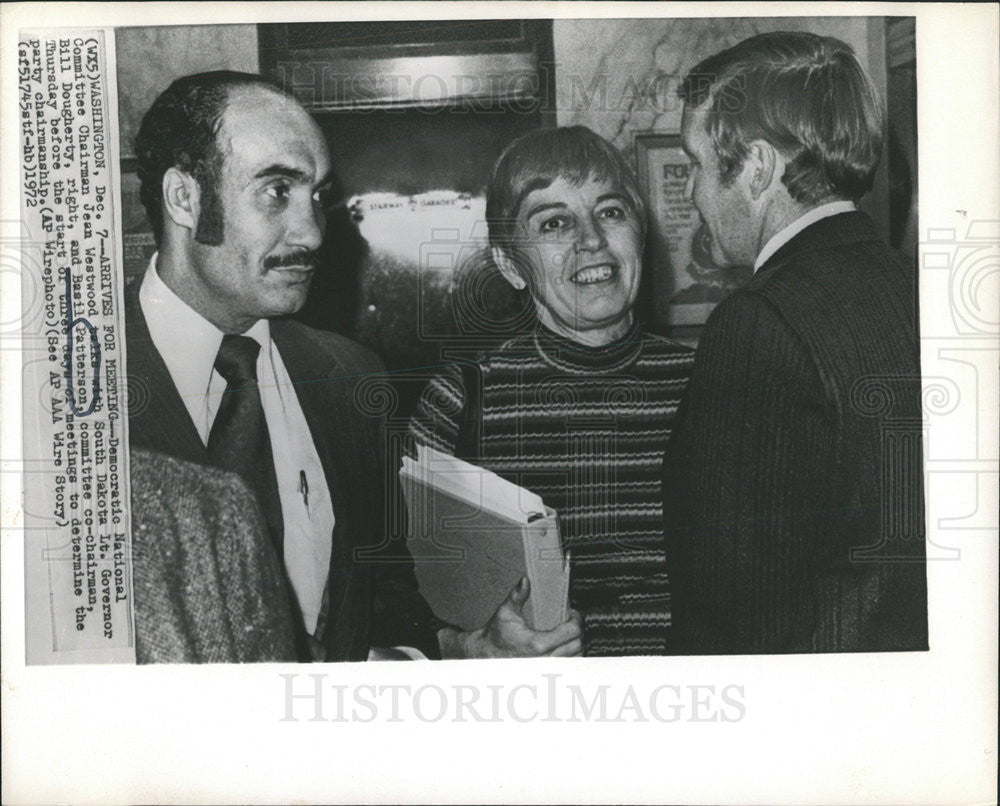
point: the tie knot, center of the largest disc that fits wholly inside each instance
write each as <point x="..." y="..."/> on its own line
<point x="237" y="360"/>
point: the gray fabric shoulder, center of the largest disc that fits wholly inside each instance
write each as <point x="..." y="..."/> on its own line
<point x="151" y="470"/>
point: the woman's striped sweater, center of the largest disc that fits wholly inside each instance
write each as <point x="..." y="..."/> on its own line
<point x="585" y="428"/>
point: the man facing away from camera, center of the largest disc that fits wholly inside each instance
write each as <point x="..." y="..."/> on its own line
<point x="793" y="480"/>
<point x="234" y="177"/>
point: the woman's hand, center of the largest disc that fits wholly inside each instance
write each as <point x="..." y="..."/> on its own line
<point x="507" y="635"/>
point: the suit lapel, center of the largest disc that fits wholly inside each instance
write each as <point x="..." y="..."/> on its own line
<point x="319" y="396"/>
<point x="158" y="418"/>
<point x="323" y="399"/>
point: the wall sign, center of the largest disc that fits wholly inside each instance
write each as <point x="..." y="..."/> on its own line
<point x="687" y="283"/>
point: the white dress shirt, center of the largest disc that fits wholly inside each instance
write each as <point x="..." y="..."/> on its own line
<point x="188" y="344"/>
<point x="781" y="237"/>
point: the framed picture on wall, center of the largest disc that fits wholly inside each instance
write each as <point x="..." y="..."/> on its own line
<point x="687" y="284"/>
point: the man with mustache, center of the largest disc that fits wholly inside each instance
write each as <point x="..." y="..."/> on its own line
<point x="793" y="479"/>
<point x="235" y="176"/>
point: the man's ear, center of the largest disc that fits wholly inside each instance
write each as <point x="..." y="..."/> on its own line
<point x="181" y="198"/>
<point x="507" y="268"/>
<point x="765" y="165"/>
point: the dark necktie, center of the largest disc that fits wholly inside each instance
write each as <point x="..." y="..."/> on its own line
<point x="239" y="441"/>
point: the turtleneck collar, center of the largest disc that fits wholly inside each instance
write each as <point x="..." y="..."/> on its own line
<point x="570" y="356"/>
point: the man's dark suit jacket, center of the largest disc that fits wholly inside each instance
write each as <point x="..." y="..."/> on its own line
<point x="370" y="601"/>
<point x="793" y="480"/>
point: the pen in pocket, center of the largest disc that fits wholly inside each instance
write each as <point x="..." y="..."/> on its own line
<point x="304" y="488"/>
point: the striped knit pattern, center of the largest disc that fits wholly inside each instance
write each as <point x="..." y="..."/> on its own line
<point x="584" y="428"/>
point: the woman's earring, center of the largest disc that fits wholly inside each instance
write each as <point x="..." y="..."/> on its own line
<point x="507" y="268"/>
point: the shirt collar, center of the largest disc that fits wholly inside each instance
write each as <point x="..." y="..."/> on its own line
<point x="783" y="236"/>
<point x="187" y="342"/>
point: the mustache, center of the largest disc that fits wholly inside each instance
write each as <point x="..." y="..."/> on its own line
<point x="308" y="258"/>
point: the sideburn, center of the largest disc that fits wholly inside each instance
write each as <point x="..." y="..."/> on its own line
<point x="211" y="228"/>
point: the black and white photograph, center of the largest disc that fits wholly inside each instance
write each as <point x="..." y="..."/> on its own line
<point x="640" y="358"/>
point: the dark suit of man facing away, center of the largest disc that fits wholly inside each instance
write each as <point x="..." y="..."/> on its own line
<point x="793" y="480"/>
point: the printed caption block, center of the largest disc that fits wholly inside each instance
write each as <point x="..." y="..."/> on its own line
<point x="77" y="548"/>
